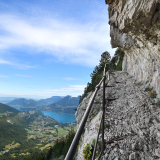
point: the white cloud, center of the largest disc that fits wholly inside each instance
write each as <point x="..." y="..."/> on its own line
<point x="19" y="75"/>
<point x="70" y="88"/>
<point x="17" y="65"/>
<point x="5" y="62"/>
<point x="71" y="78"/>
<point x="68" y="41"/>
<point x="3" y="76"/>
<point x="24" y="66"/>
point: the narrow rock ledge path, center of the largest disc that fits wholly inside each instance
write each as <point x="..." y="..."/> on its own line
<point x="132" y="121"/>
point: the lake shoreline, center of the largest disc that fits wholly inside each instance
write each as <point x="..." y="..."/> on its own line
<point x="35" y="109"/>
<point x="59" y="117"/>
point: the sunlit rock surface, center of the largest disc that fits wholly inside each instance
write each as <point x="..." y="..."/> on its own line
<point x="133" y="117"/>
<point x="135" y="28"/>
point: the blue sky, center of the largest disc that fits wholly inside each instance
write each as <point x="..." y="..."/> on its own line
<point x="50" y="47"/>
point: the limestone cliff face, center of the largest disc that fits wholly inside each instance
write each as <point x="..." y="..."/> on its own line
<point x="135" y="29"/>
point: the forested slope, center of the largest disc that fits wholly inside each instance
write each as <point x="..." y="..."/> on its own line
<point x="5" y="109"/>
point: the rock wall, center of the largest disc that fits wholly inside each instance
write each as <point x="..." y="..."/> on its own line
<point x="135" y="29"/>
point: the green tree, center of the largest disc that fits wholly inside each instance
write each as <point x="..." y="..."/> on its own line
<point x="118" y="59"/>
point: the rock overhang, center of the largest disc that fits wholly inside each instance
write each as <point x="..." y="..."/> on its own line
<point x="135" y="29"/>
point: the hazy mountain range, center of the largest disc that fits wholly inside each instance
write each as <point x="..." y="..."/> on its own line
<point x="58" y="104"/>
<point x="5" y="100"/>
<point x="51" y="100"/>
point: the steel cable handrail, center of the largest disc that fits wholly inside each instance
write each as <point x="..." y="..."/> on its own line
<point x="103" y="114"/>
<point x="73" y="147"/>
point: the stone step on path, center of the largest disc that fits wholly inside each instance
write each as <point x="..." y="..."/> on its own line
<point x="132" y="112"/>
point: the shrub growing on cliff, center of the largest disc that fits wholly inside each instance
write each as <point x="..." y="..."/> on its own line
<point x="158" y="102"/>
<point x="93" y="115"/>
<point x="139" y="84"/>
<point x="153" y="94"/>
<point x="97" y="100"/>
<point x="87" y="152"/>
<point x="107" y="126"/>
<point x="148" y="89"/>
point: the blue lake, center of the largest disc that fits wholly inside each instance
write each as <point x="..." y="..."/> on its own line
<point x="16" y="108"/>
<point x="63" y="118"/>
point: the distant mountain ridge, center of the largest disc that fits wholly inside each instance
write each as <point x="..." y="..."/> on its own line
<point x="67" y="105"/>
<point x="5" y="100"/>
<point x="22" y="102"/>
<point x="49" y="101"/>
<point x="67" y="101"/>
<point x="58" y="104"/>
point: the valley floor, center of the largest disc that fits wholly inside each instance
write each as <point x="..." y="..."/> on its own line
<point x="39" y="133"/>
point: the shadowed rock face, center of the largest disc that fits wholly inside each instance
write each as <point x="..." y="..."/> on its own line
<point x="135" y="29"/>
